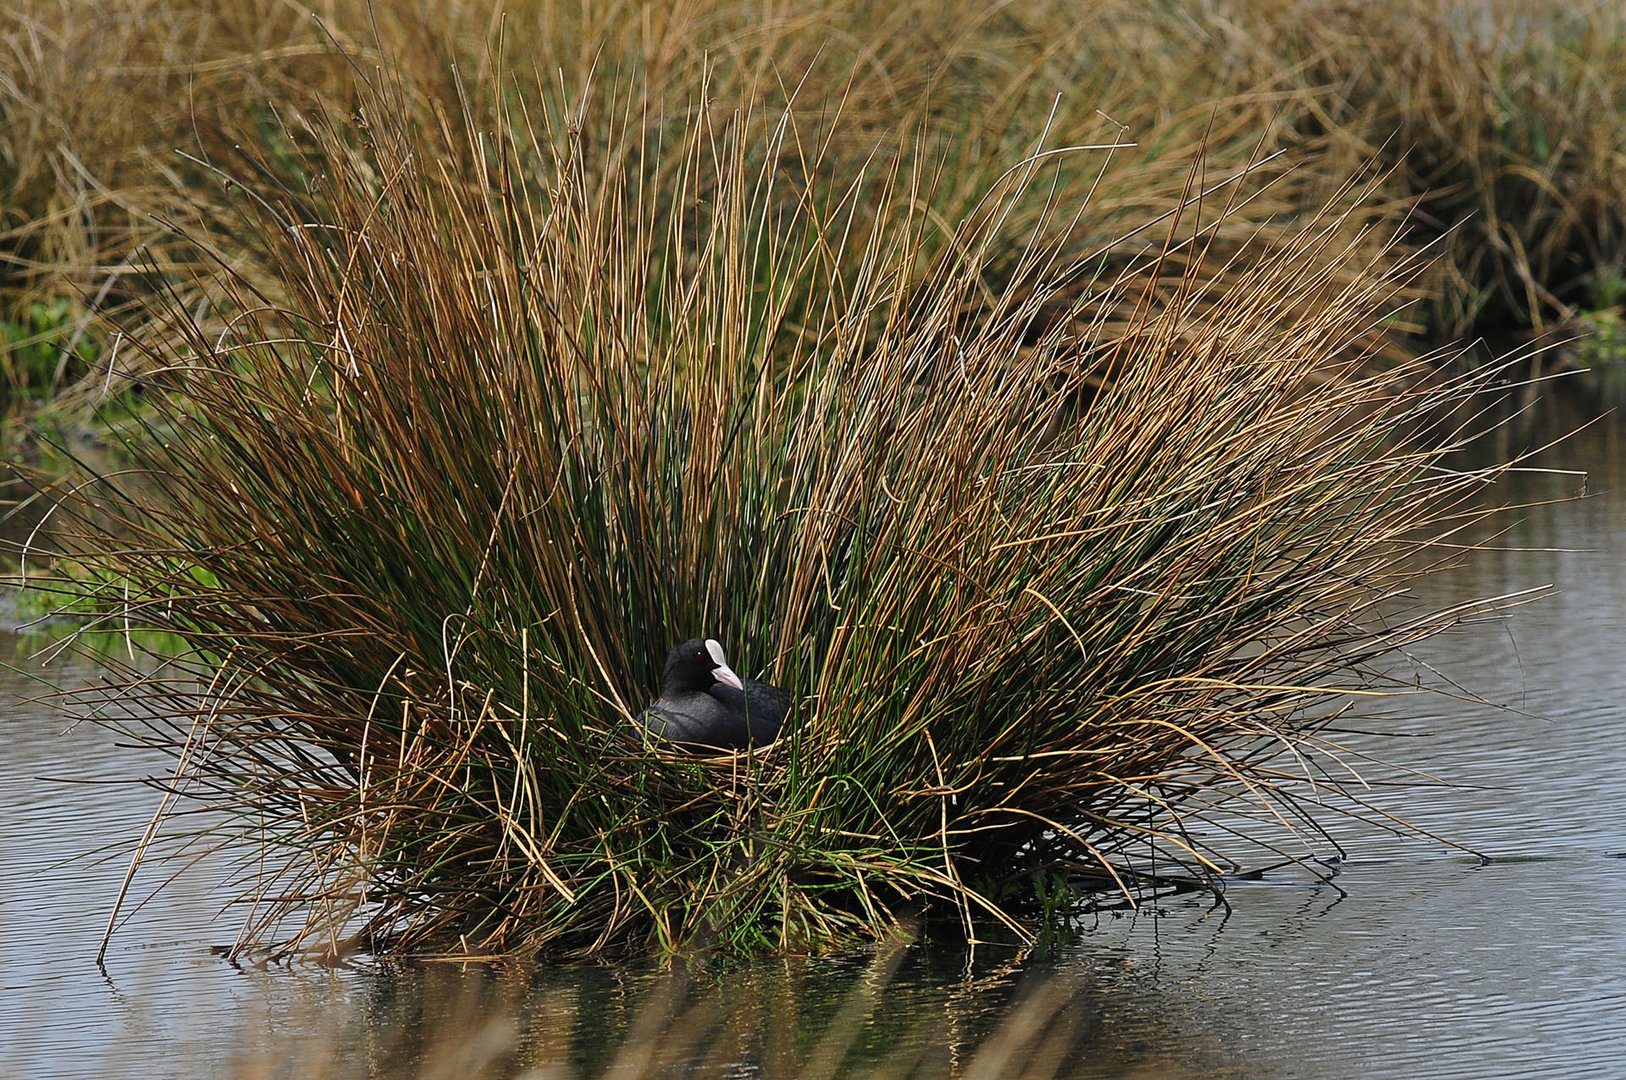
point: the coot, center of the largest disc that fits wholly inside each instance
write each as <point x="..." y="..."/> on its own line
<point x="704" y="703"/>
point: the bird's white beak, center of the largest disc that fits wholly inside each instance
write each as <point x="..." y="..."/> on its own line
<point x="725" y="675"/>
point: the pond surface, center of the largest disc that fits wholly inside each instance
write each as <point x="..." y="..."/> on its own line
<point x="1426" y="963"/>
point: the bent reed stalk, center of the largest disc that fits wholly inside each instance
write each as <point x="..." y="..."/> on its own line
<point x="1066" y="564"/>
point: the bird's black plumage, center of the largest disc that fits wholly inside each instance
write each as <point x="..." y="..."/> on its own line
<point x="703" y="703"/>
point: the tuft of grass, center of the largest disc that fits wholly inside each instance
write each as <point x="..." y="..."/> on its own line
<point x="1066" y="586"/>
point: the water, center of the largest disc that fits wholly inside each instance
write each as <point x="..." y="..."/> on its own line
<point x="1427" y="963"/>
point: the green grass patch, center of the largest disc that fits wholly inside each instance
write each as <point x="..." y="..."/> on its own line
<point x="44" y="349"/>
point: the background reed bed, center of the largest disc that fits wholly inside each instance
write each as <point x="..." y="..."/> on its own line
<point x="1505" y="122"/>
<point x="1070" y="561"/>
<point x="1498" y="128"/>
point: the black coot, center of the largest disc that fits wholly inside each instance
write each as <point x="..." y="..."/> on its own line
<point x="704" y="703"/>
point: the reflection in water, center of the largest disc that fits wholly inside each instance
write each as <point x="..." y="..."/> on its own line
<point x="1426" y="962"/>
